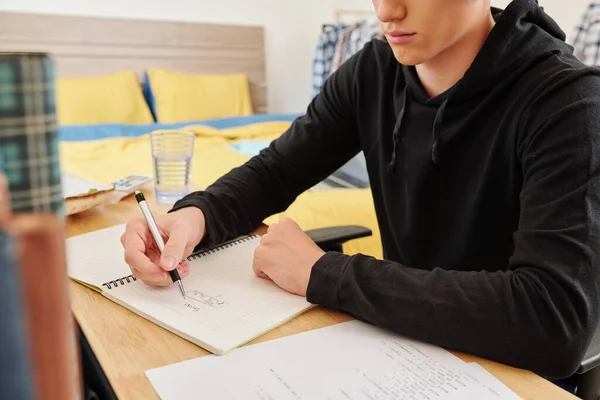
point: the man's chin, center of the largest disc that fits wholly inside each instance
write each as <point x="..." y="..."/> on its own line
<point x="407" y="57"/>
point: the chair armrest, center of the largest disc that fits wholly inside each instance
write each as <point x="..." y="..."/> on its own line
<point x="591" y="359"/>
<point x="332" y="238"/>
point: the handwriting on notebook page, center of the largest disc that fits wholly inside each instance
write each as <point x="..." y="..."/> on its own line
<point x="206" y="299"/>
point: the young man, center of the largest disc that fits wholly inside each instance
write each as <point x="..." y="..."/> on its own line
<point x="481" y="134"/>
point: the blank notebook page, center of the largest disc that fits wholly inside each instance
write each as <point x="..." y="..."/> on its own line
<point x="227" y="305"/>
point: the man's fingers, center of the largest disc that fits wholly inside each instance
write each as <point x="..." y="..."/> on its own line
<point x="271" y="227"/>
<point x="184" y="270"/>
<point x="136" y="274"/>
<point x="174" y="249"/>
<point x="258" y="272"/>
<point x="157" y="282"/>
<point x="134" y="245"/>
<point x="162" y="278"/>
<point x="144" y="258"/>
<point x="135" y="254"/>
<point x="138" y="261"/>
<point x="263" y="275"/>
<point x="258" y="261"/>
<point x="188" y="251"/>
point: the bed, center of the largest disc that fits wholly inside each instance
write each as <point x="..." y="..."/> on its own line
<point x="105" y="152"/>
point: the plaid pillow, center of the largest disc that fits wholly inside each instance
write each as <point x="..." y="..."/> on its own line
<point x="28" y="132"/>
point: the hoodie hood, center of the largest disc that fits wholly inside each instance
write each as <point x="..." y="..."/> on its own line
<point x="524" y="36"/>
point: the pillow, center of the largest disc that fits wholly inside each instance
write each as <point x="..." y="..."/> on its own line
<point x="148" y="96"/>
<point x="179" y="97"/>
<point x="114" y="98"/>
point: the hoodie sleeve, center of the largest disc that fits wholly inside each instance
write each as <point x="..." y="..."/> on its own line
<point x="541" y="312"/>
<point x="316" y="145"/>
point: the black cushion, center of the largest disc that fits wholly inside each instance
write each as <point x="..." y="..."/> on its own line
<point x="334" y="235"/>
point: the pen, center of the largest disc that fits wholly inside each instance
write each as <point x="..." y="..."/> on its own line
<point x="139" y="196"/>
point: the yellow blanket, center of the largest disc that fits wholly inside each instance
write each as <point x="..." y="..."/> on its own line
<point x="107" y="160"/>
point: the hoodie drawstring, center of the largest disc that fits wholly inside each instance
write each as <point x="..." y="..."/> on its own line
<point x="396" y="133"/>
<point x="437" y="122"/>
<point x="437" y="125"/>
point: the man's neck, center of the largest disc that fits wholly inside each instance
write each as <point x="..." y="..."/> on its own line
<point x="448" y="67"/>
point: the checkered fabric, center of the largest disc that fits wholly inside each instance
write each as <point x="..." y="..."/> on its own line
<point x="28" y="132"/>
<point x="324" y="55"/>
<point x="337" y="44"/>
<point x="587" y="36"/>
<point x="352" y="40"/>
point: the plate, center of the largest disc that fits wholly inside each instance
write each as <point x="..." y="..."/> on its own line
<point x="81" y="194"/>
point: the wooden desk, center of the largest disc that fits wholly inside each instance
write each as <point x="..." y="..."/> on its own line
<point x="127" y="345"/>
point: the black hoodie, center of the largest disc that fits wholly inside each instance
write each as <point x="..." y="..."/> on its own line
<point x="487" y="196"/>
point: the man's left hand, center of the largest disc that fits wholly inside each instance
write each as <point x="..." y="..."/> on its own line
<point x="286" y="255"/>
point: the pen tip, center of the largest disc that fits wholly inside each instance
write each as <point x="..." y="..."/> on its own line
<point x="180" y="286"/>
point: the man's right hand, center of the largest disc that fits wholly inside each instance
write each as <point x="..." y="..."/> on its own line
<point x="181" y="230"/>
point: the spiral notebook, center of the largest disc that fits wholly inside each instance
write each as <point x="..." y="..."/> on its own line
<point x="226" y="304"/>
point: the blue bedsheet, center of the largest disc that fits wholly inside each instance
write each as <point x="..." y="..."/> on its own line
<point x="78" y="133"/>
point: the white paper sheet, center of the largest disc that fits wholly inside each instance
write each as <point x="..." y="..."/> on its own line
<point x="75" y="186"/>
<point x="347" y="361"/>
<point x="489" y="381"/>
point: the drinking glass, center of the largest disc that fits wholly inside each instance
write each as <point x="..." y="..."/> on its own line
<point x="172" y="152"/>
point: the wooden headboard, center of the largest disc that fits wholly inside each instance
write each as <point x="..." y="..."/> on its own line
<point x="85" y="46"/>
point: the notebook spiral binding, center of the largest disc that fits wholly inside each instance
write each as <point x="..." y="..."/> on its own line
<point x="122" y="281"/>
<point x="220" y="247"/>
<point x="130" y="278"/>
